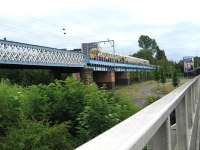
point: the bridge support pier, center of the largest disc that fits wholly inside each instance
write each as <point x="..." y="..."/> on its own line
<point x="106" y="79"/>
<point x="122" y="78"/>
<point x="87" y="75"/>
<point x="77" y="76"/>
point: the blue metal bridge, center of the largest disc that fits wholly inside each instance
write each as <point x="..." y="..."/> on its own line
<point x="107" y="66"/>
<point x="26" y="54"/>
<point x="15" y="53"/>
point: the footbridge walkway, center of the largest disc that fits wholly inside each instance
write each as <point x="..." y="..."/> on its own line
<point x="152" y="128"/>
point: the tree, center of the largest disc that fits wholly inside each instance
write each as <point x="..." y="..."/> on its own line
<point x="157" y="75"/>
<point x="154" y="44"/>
<point x="144" y="54"/>
<point x="162" y="76"/>
<point x="160" y="54"/>
<point x="196" y="62"/>
<point x="145" y="42"/>
<point x="180" y="66"/>
<point x="148" y="50"/>
<point x="175" y="79"/>
<point x="27" y="77"/>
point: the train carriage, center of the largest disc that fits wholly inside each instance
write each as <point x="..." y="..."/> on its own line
<point x="104" y="56"/>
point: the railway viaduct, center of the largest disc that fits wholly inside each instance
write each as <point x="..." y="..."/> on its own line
<point x="22" y="55"/>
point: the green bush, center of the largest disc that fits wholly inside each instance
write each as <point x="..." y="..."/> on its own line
<point x="152" y="99"/>
<point x="33" y="117"/>
<point x="157" y="75"/>
<point x="102" y="111"/>
<point x="27" y="76"/>
<point x="37" y="136"/>
<point x="162" y="75"/>
<point x="89" y="110"/>
<point x="10" y="106"/>
<point x="175" y="79"/>
<point x="67" y="99"/>
<point x="36" y="103"/>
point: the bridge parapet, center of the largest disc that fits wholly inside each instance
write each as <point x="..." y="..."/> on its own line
<point x="152" y="126"/>
<point x="21" y="53"/>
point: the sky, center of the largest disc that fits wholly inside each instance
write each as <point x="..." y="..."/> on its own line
<point x="175" y="24"/>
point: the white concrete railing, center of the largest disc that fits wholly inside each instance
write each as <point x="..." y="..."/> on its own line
<point x="151" y="126"/>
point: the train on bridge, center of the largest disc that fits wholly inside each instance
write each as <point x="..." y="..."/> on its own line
<point x="96" y="54"/>
<point x="89" y="63"/>
<point x="90" y="56"/>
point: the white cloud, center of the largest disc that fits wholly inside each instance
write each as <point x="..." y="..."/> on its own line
<point x="173" y="23"/>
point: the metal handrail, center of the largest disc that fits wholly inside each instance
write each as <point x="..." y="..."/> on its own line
<point x="152" y="123"/>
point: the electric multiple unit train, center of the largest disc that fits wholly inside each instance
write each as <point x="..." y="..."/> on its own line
<point x="96" y="54"/>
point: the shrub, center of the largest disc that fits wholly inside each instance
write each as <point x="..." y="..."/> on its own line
<point x="37" y="136"/>
<point x="157" y="75"/>
<point x="102" y="111"/>
<point x="33" y="117"/>
<point x="67" y="99"/>
<point x="36" y="103"/>
<point x="57" y="102"/>
<point x="162" y="75"/>
<point x="175" y="79"/>
<point x="10" y="106"/>
<point x="152" y="99"/>
<point x="27" y="76"/>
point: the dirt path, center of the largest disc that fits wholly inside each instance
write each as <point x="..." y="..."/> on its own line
<point x="139" y="92"/>
<point x="144" y="91"/>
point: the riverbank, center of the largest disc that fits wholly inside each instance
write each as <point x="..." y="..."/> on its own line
<point x="139" y="92"/>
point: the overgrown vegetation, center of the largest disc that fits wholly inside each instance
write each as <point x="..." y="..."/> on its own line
<point x="152" y="99"/>
<point x="151" y="51"/>
<point x="27" y="77"/>
<point x="175" y="79"/>
<point x="60" y="115"/>
<point x="141" y="76"/>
